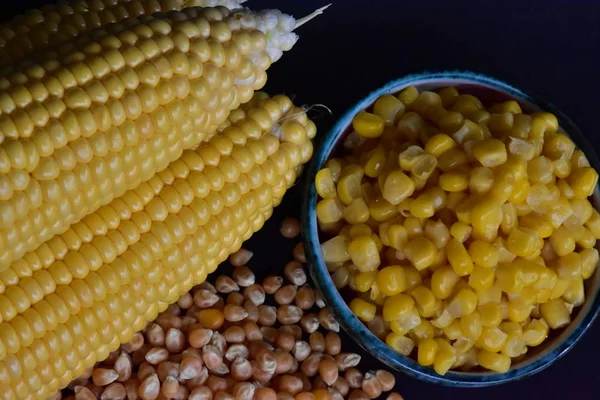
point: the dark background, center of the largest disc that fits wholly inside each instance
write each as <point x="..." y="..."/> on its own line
<point x="551" y="48"/>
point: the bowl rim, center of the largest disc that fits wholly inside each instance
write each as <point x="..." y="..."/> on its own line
<point x="333" y="299"/>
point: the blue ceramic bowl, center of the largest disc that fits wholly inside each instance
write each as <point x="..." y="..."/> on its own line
<point x="537" y="358"/>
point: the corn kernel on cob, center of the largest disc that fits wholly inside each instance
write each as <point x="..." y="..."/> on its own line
<point x="101" y="125"/>
<point x="147" y="258"/>
<point x="38" y="29"/>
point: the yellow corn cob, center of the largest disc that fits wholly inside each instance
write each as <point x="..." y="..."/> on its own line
<point x="122" y="119"/>
<point x="53" y="24"/>
<point x="71" y="316"/>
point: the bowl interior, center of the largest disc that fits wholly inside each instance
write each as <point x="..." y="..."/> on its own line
<point x="489" y="90"/>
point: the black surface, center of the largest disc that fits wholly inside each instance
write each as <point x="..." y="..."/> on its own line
<point x="548" y="47"/>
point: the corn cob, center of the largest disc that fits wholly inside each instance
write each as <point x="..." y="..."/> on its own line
<point x="38" y="29"/>
<point x="71" y="314"/>
<point x="199" y="64"/>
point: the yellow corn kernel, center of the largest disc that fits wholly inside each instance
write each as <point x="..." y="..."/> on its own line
<point x="375" y="162"/>
<point x="335" y="250"/>
<point x="424" y="331"/>
<point x="352" y="169"/>
<point x="504" y="185"/>
<point x="538" y="223"/>
<point x="555" y="313"/>
<point x="329" y="211"/>
<point x="391" y="280"/>
<point x="483" y="253"/>
<point x="397" y="237"/>
<point x="324" y="184"/>
<point x="411" y="125"/>
<point x="504" y="255"/>
<point x="517" y="165"/>
<point x="517" y="311"/>
<point x="395" y="307"/>
<point x="423" y="206"/>
<point x="558" y="145"/>
<point x="365" y="280"/>
<point x="582" y="209"/>
<point x="559" y="288"/>
<point x="579" y="160"/>
<point x="535" y="332"/>
<point x="439" y="144"/>
<point x="468" y="131"/>
<point x="569" y="267"/>
<point x="388" y="108"/>
<point x="481" y="278"/>
<point x="509" y="218"/>
<point x="459" y="258"/>
<point x="364" y="253"/>
<point x="427" y="351"/>
<point x="463" y="210"/>
<point x="413" y="227"/>
<point x="452" y="159"/>
<point x="562" y="241"/>
<point x="421" y="252"/>
<point x="409" y="157"/>
<point x="540" y="170"/>
<point x="490" y="152"/>
<point x="575" y="293"/>
<point x="491" y="339"/>
<point x="510" y="278"/>
<point x="589" y="261"/>
<point x="460" y="231"/>
<point x="412" y="276"/>
<point x="453" y="330"/>
<point x="437" y="232"/>
<point x="408" y="95"/>
<point x="368" y="125"/>
<point x="397" y="187"/>
<point x="454" y="181"/>
<point x="424" y="167"/>
<point x="493" y="361"/>
<point x="356" y="212"/>
<point x="583" y="181"/>
<point x="376" y="296"/>
<point x="501" y="122"/>
<point x="445" y="357"/>
<point x="348" y="188"/>
<point x="400" y="343"/>
<point x="523" y="242"/>
<point x="407" y="322"/>
<point x="426" y="301"/>
<point x="522" y="147"/>
<point x="490" y="314"/>
<point x="464" y="303"/>
<point x="450" y="122"/>
<point x="562" y="168"/>
<point x="509" y="106"/>
<point x="486" y="217"/>
<point x="443" y="281"/>
<point x="357" y="230"/>
<point x="471" y="325"/>
<point x="381" y="210"/>
<point x="363" y="310"/>
<point x="560" y="212"/>
<point x="520" y="192"/>
<point x="593" y="224"/>
<point x="335" y="165"/>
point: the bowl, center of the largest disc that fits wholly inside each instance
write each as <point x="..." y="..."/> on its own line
<point x="538" y="358"/>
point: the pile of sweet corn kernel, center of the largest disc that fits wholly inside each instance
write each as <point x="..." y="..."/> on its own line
<point x="463" y="233"/>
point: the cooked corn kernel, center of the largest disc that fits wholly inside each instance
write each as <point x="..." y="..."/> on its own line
<point x="395" y="307"/>
<point x="397" y="187"/>
<point x="391" y="280"/>
<point x="460" y="231"/>
<point x="493" y="361"/>
<point x="486" y="218"/>
<point x="464" y="303"/>
<point x="388" y="108"/>
<point x="329" y="211"/>
<point x="491" y="314"/>
<point x="400" y="343"/>
<point x="490" y="152"/>
<point x="523" y="242"/>
<point x="324" y="184"/>
<point x="483" y="253"/>
<point x="421" y="252"/>
<point x="427" y="351"/>
<point x="443" y="281"/>
<point x="363" y="310"/>
<point x="348" y="188"/>
<point x="583" y="181"/>
<point x="368" y="125"/>
<point x="555" y="313"/>
<point x="481" y="278"/>
<point x="426" y="301"/>
<point x="364" y="253"/>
